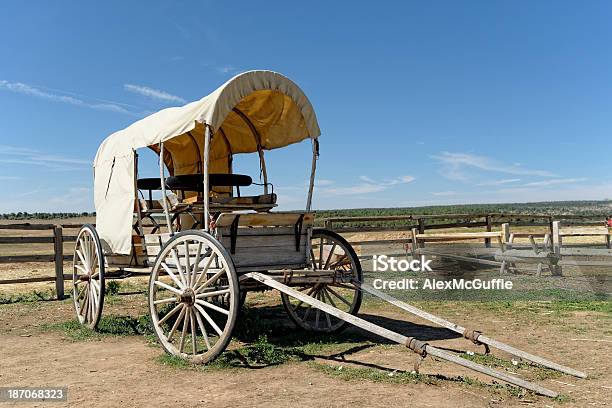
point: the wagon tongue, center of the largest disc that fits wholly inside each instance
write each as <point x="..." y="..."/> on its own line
<point x="421" y="348"/>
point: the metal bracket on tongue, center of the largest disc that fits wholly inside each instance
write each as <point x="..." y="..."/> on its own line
<point x="473" y="335"/>
<point x="419" y="347"/>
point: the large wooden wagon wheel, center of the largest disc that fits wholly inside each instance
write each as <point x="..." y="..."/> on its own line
<point x="193" y="296"/>
<point x="329" y="252"/>
<point x="88" y="277"/>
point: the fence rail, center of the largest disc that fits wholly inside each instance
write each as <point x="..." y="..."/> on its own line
<point x="337" y="224"/>
<point x="57" y="238"/>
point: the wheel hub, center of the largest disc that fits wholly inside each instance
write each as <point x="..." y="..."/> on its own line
<point x="188" y="296"/>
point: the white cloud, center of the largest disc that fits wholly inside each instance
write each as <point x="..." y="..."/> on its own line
<point x="367" y="186"/>
<point x="444" y="193"/>
<point x="29" y="157"/>
<point x="454" y="165"/>
<point x="323" y="182"/>
<point x="153" y="93"/>
<point x="225" y="69"/>
<point x="19" y="87"/>
<point x="499" y="182"/>
<point x="554" y="182"/>
<point x="7" y="178"/>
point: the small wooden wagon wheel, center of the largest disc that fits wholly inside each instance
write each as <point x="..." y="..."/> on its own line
<point x="329" y="252"/>
<point x="88" y="277"/>
<point x="193" y="296"/>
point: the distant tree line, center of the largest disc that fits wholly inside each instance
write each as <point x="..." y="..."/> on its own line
<point x="24" y="215"/>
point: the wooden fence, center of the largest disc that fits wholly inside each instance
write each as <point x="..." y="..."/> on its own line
<point x="440" y="221"/>
<point x="56" y="237"/>
<point x="338" y="224"/>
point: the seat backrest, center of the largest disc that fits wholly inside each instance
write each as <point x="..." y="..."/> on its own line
<point x="195" y="182"/>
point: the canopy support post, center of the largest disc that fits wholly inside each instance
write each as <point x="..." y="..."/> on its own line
<point x="207" y="133"/>
<point x="137" y="200"/>
<point x="163" y="187"/>
<point x="315" y="155"/>
<point x="262" y="162"/>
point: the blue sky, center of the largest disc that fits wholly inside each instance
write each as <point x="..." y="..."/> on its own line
<point x="419" y="102"/>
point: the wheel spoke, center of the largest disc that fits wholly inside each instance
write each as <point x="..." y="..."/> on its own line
<point x="213" y="293"/>
<point x="202" y="328"/>
<point x="177" y="322"/>
<point x="82" y="258"/>
<point x="83" y="302"/>
<point x="178" y="266"/>
<point x="211" y="306"/>
<point x="193" y="332"/>
<point x="329" y="256"/>
<point x="307" y="294"/>
<point x="184" y="332"/>
<point x="328" y="320"/>
<point x="211" y="280"/>
<point x="172" y="276"/>
<point x="92" y="253"/>
<point x="339" y="262"/>
<point x="81" y="291"/>
<point x="90" y="304"/>
<point x="166" y="300"/>
<point x="168" y="287"/>
<point x="195" y="265"/>
<point x="204" y="270"/>
<point x="329" y="298"/>
<point x="333" y="292"/>
<point x="312" y="259"/>
<point x="170" y="313"/>
<point x="96" y="285"/>
<point x="80" y="268"/>
<point x="209" y="319"/>
<point x="94" y="294"/>
<point x="187" y="265"/>
<point x="321" y="253"/>
<point x="83" y="242"/>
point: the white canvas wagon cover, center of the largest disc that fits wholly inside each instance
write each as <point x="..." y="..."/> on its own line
<point x="254" y="110"/>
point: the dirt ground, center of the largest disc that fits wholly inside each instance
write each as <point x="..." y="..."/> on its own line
<point x="358" y="370"/>
<point x="126" y="371"/>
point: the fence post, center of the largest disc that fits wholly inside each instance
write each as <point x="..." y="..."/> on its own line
<point x="550" y="225"/>
<point x="506" y="236"/>
<point x="58" y="242"/>
<point x="489" y="229"/>
<point x="328" y="225"/>
<point x="421" y="222"/>
<point x="557" y="242"/>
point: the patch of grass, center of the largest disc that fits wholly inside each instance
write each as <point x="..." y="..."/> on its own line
<point x="109" y="326"/>
<point x="35" y="296"/>
<point x="259" y="354"/>
<point x="112" y="288"/>
<point x="375" y="375"/>
<point x="404" y="377"/>
<point x="539" y="372"/>
<point x="490" y="360"/>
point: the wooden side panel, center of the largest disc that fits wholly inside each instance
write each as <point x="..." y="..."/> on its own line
<point x="261" y="248"/>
